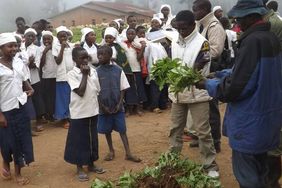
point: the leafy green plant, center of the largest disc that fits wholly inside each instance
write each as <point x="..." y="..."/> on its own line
<point x="101" y="184"/>
<point x="183" y="77"/>
<point x="127" y="180"/>
<point x="170" y="168"/>
<point x="161" y="68"/>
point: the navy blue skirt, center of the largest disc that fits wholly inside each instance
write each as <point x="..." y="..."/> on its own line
<point x="62" y="100"/>
<point x="136" y="93"/>
<point x="82" y="141"/>
<point x="15" y="139"/>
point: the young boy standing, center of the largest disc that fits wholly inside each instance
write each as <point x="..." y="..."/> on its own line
<point x="82" y="141"/>
<point x="113" y="84"/>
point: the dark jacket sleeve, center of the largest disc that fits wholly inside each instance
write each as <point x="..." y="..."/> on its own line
<point x="237" y="85"/>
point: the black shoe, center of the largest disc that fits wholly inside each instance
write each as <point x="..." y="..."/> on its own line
<point x="194" y="144"/>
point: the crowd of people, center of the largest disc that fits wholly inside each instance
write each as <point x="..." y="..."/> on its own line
<point x="90" y="88"/>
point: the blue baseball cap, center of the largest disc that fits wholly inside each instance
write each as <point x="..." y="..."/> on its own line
<point x="247" y="7"/>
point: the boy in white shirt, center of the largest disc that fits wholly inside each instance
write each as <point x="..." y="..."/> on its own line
<point x="48" y="72"/>
<point x="63" y="57"/>
<point x="82" y="140"/>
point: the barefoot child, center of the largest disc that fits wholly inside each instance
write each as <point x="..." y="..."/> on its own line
<point x="15" y="132"/>
<point x="113" y="84"/>
<point x="82" y="141"/>
<point x="62" y="54"/>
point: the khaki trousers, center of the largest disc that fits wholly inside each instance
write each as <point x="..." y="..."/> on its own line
<point x="200" y="115"/>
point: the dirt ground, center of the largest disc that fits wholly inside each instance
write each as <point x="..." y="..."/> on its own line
<point x="148" y="138"/>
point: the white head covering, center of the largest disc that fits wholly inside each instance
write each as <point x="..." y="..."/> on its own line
<point x="7" y="38"/>
<point x="169" y="16"/>
<point x="62" y="28"/>
<point x="168" y="6"/>
<point x="216" y="8"/>
<point x="84" y="32"/>
<point x="30" y="30"/>
<point x="111" y="31"/>
<point x="47" y="33"/>
<point x="158" y="19"/>
<point x="117" y="22"/>
<point x="19" y="36"/>
<point x="70" y="31"/>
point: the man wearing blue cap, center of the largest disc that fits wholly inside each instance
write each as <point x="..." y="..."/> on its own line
<point x="253" y="91"/>
<point x="274" y="156"/>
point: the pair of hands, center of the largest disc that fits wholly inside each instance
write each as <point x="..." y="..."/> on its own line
<point x="31" y="64"/>
<point x="201" y="84"/>
<point x="85" y="69"/>
<point x="109" y="111"/>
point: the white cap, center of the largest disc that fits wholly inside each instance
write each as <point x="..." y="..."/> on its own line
<point x="47" y="33"/>
<point x="62" y="28"/>
<point x="30" y="30"/>
<point x="216" y="8"/>
<point x="7" y="38"/>
<point x="158" y="19"/>
<point x="84" y="32"/>
<point x="111" y="31"/>
<point x="117" y="22"/>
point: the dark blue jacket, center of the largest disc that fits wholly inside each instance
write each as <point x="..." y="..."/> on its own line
<point x="253" y="91"/>
<point x="109" y="79"/>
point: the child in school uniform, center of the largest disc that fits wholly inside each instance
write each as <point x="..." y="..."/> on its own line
<point x="22" y="57"/>
<point x="135" y="96"/>
<point x="15" y="133"/>
<point x="63" y="57"/>
<point x="113" y="84"/>
<point x="82" y="140"/>
<point x="33" y="64"/>
<point x="88" y="42"/>
<point x="119" y="56"/>
<point x="48" y="72"/>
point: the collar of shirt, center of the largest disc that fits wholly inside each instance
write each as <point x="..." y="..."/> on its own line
<point x="205" y="21"/>
<point x="85" y="46"/>
<point x="183" y="41"/>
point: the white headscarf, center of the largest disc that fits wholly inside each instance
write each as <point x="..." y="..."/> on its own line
<point x="216" y="8"/>
<point x="117" y="22"/>
<point x="84" y="32"/>
<point x="6" y="38"/>
<point x="158" y="19"/>
<point x="111" y="31"/>
<point x="169" y="17"/>
<point x="62" y="28"/>
<point x="30" y="30"/>
<point x="47" y="33"/>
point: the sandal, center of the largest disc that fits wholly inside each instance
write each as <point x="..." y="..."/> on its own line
<point x="6" y="174"/>
<point x="109" y="157"/>
<point x="133" y="159"/>
<point x="95" y="169"/>
<point x="82" y="176"/>
<point x="157" y="110"/>
<point x="22" y="181"/>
